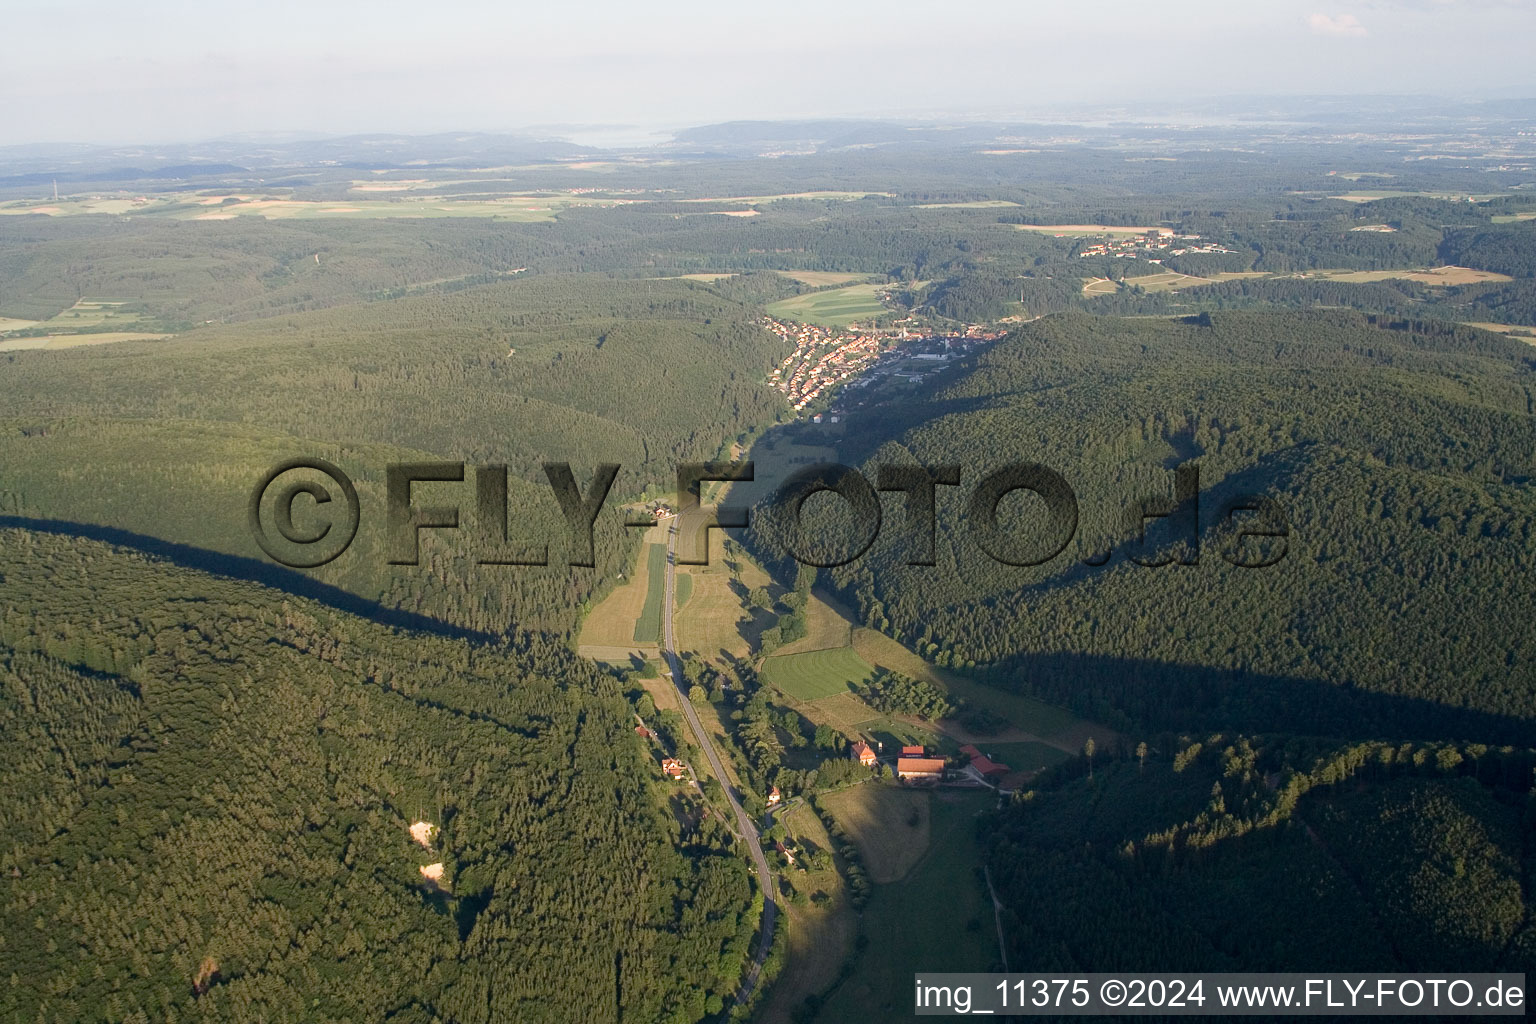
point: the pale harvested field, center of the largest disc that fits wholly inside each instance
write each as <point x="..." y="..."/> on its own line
<point x="1521" y="331"/>
<point x="12" y="324"/>
<point x="821" y="278"/>
<point x="399" y="185"/>
<point x="1361" y="196"/>
<point x="1172" y="281"/>
<point x="714" y="622"/>
<point x="735" y="213"/>
<point x="612" y="622"/>
<point x="706" y="278"/>
<point x="60" y="341"/>
<point x="976" y="204"/>
<point x="1099" y="286"/>
<point x="1511" y="218"/>
<point x="1082" y="229"/>
<point x="1165" y="282"/>
<point x="818" y="938"/>
<point x="1445" y="276"/>
<point x="876" y="816"/>
<point x="786" y="195"/>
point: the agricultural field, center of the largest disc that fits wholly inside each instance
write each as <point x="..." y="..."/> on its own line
<point x="836" y="308"/>
<point x="889" y="823"/>
<point x="816" y="674"/>
<point x="1522" y="331"/>
<point x="1364" y="196"/>
<point x="975" y="204"/>
<point x="716" y="622"/>
<point x="87" y="322"/>
<point x="1031" y="718"/>
<point x="1443" y="276"/>
<point x="825" y="628"/>
<point x="648" y="624"/>
<point x="1081" y="230"/>
<point x="608" y="631"/>
<point x="1168" y="281"/>
<point x="58" y="341"/>
<point x="540" y="206"/>
<point x="818" y="937"/>
<point x="84" y="315"/>
<point x="822" y="278"/>
<point x="787" y="195"/>
<point x="937" y="918"/>
<point x="1512" y="218"/>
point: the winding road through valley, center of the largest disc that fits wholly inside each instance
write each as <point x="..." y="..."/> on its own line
<point x="744" y="822"/>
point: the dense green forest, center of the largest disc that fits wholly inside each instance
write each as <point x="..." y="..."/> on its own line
<point x="1401" y="454"/>
<point x="1267" y="854"/>
<point x="167" y="439"/>
<point x="211" y="788"/>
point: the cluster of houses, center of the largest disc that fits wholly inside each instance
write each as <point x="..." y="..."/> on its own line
<point x="820" y="360"/>
<point x="823" y="359"/>
<point x="1156" y="242"/>
<point x="915" y="765"/>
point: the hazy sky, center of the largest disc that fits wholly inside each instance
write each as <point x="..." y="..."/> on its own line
<point x="163" y="70"/>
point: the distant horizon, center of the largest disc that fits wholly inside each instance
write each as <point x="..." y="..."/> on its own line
<point x="634" y="134"/>
<point x="163" y="70"/>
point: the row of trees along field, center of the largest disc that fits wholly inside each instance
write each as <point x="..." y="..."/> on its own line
<point x="211" y="788"/>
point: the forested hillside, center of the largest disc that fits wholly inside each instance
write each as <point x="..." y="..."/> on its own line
<point x="1401" y="454"/>
<point x="168" y="439"/>
<point x="211" y="789"/>
<point x="1261" y="854"/>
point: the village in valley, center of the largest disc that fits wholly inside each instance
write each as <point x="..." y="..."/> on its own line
<point x="856" y="358"/>
<point x="1154" y="245"/>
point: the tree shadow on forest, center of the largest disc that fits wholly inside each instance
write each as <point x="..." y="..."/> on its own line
<point x="1168" y="696"/>
<point x="1176" y="697"/>
<point x="250" y="570"/>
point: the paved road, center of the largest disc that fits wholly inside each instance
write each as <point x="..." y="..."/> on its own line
<point x="743" y="821"/>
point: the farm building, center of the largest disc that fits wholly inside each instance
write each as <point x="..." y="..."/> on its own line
<point x="923" y="769"/>
<point x="982" y="763"/>
<point x="863" y="753"/>
<point x="914" y="752"/>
